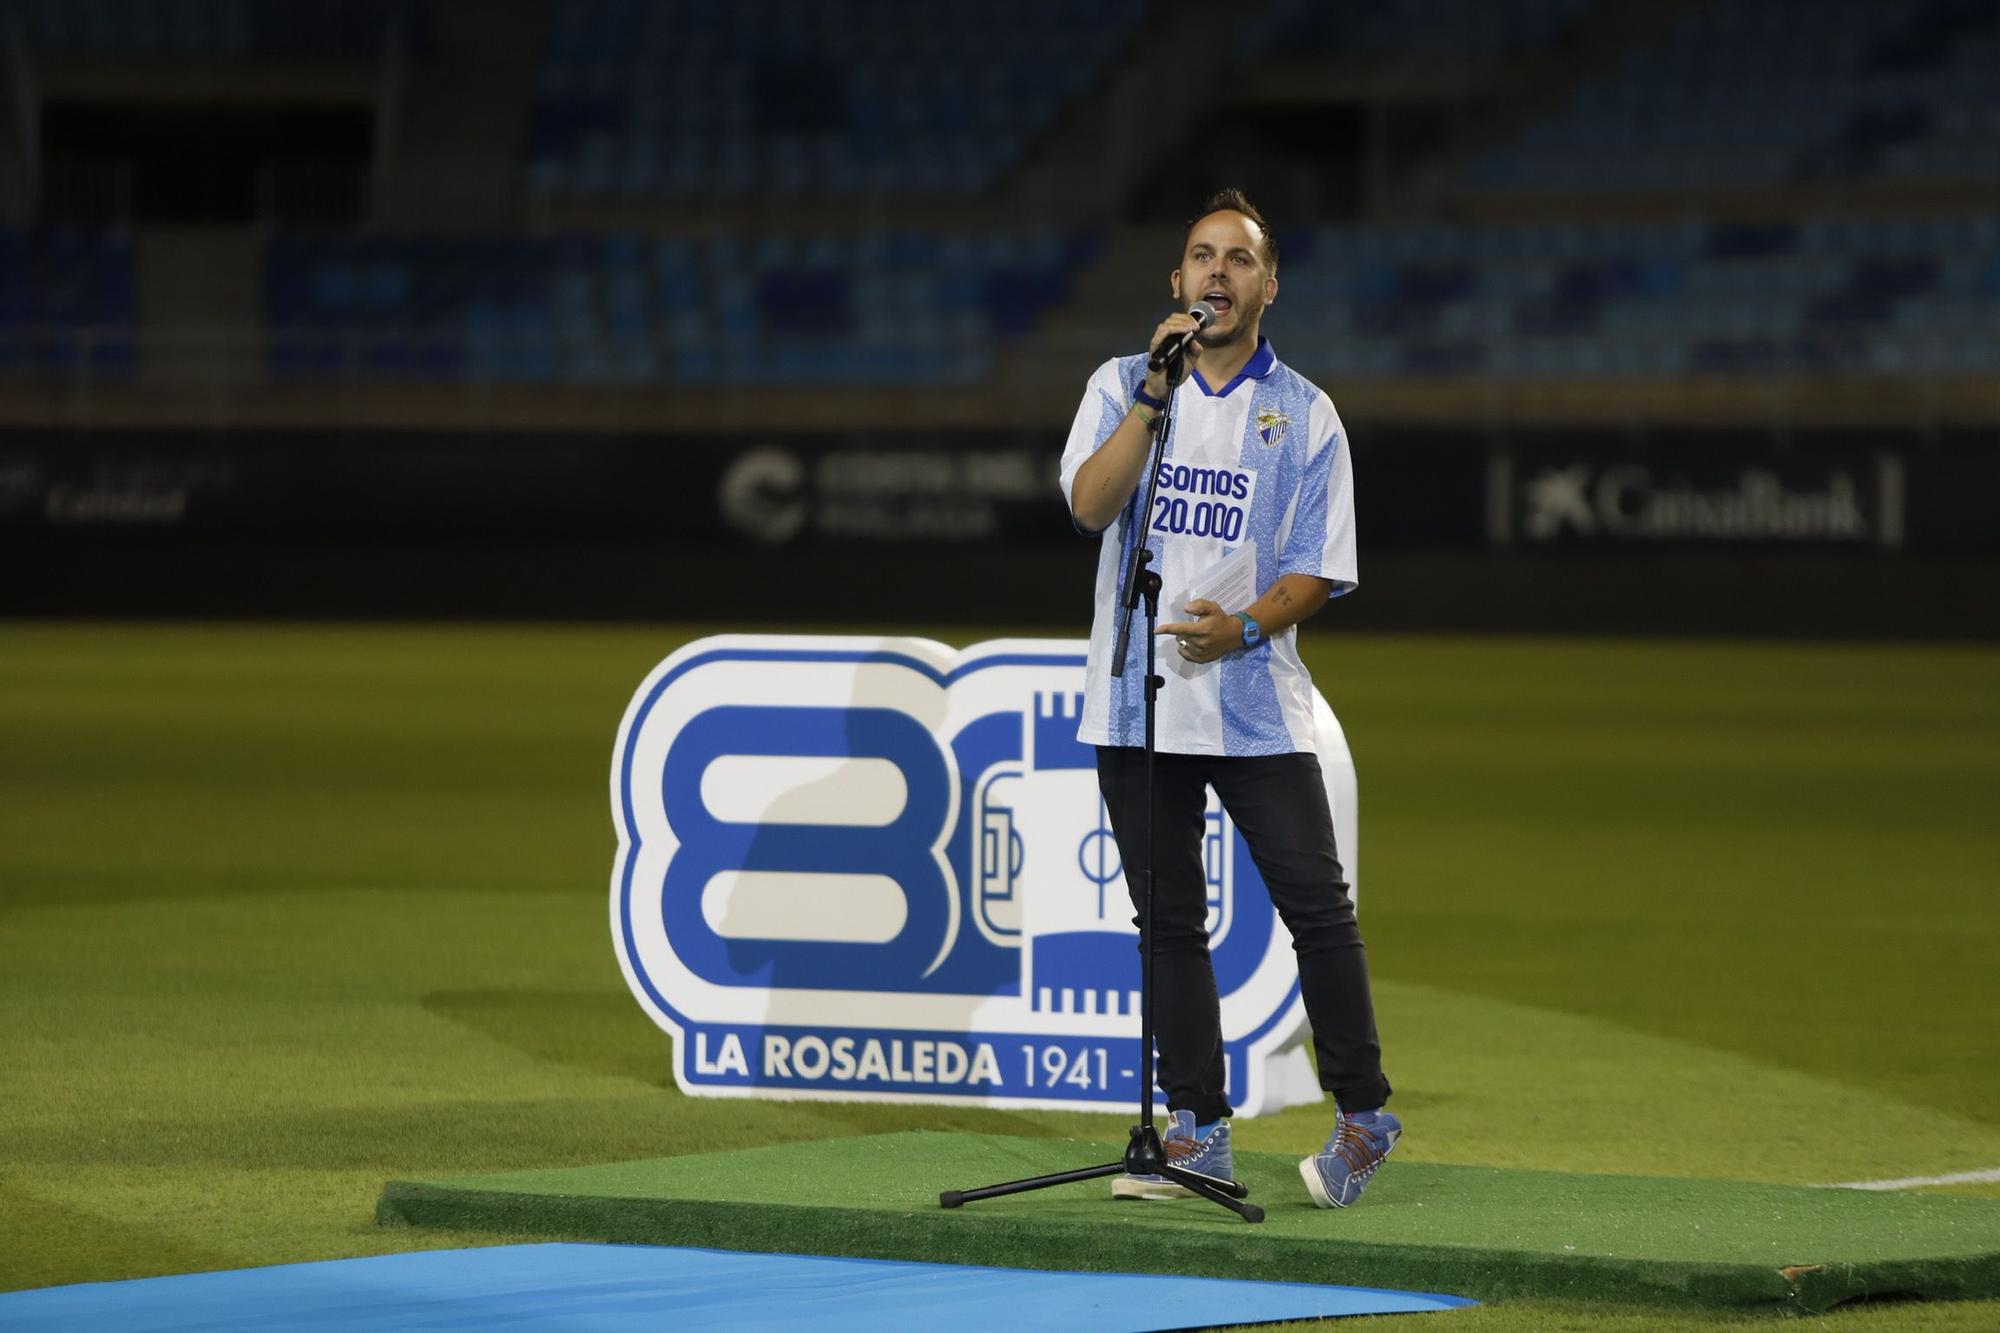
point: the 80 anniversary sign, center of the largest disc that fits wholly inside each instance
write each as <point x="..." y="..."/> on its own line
<point x="880" y="869"/>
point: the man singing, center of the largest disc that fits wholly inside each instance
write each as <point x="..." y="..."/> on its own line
<point x="1255" y="456"/>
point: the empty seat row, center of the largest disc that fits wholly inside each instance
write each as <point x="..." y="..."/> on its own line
<point x="1827" y="294"/>
<point x="66" y="301"/>
<point x="1461" y="30"/>
<point x="837" y="98"/>
<point x="1773" y="92"/>
<point x="853" y="308"/>
<point x="218" y="29"/>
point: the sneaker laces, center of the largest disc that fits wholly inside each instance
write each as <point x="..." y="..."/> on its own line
<point x="1356" y="1147"/>
<point x="1180" y="1150"/>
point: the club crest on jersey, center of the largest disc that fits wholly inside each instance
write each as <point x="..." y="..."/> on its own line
<point x="1271" y="425"/>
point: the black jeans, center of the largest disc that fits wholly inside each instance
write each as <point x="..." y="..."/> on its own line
<point x="1279" y="804"/>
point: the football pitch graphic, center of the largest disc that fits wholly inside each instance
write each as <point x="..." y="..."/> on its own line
<point x="291" y="913"/>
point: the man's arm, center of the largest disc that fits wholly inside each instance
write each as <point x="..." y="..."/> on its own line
<point x="1105" y="482"/>
<point x="1215" y="632"/>
<point x="1290" y="600"/>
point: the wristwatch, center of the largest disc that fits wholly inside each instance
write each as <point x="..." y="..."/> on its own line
<point x="1253" y="633"/>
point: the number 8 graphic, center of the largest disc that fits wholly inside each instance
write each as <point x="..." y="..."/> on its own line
<point x="901" y="850"/>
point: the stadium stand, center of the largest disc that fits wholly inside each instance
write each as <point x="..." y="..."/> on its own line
<point x="1777" y="91"/>
<point x="784" y="98"/>
<point x="1881" y="295"/>
<point x="1824" y="295"/>
<point x="1472" y="31"/>
<point x="216" y="29"/>
<point x="66" y="302"/>
<point x="875" y="308"/>
<point x="783" y="105"/>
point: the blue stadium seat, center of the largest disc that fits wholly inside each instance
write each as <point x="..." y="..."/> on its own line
<point x="66" y="302"/>
<point x="221" y="29"/>
<point x="1830" y="295"/>
<point x="1471" y="31"/>
<point x="838" y="98"/>
<point x="815" y="308"/>
<point x="1776" y="91"/>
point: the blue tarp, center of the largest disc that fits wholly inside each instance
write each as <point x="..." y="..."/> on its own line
<point x="626" y="1288"/>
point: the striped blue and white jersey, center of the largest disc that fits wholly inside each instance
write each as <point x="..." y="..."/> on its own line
<point x="1262" y="460"/>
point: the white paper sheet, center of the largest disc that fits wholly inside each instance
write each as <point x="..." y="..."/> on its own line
<point x="1231" y="583"/>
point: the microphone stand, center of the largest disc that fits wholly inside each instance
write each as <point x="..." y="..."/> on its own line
<point x="1144" y="1155"/>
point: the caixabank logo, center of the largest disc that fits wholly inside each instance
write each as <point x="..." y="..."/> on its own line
<point x="879" y="869"/>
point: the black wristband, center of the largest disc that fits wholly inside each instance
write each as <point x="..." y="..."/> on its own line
<point x="1144" y="399"/>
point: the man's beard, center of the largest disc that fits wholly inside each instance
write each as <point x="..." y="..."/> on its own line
<point x="1213" y="338"/>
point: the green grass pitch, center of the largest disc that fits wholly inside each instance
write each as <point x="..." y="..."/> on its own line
<point x="286" y="912"/>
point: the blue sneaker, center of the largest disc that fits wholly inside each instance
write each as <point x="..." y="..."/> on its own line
<point x="1337" y="1173"/>
<point x="1205" y="1157"/>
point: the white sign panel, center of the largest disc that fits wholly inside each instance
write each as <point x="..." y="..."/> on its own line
<point x="875" y="868"/>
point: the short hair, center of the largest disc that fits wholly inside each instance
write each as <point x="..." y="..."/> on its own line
<point x="1235" y="201"/>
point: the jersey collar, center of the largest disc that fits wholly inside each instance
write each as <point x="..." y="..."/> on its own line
<point x="1261" y="363"/>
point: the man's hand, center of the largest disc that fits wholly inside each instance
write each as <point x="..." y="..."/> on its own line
<point x="1212" y="634"/>
<point x="1171" y="329"/>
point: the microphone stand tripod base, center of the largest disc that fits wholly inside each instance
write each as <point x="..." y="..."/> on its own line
<point x="1144" y="1156"/>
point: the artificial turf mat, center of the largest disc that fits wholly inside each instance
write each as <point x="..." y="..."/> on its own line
<point x="1476" y="1231"/>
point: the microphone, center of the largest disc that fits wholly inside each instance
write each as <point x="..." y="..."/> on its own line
<point x="1175" y="348"/>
